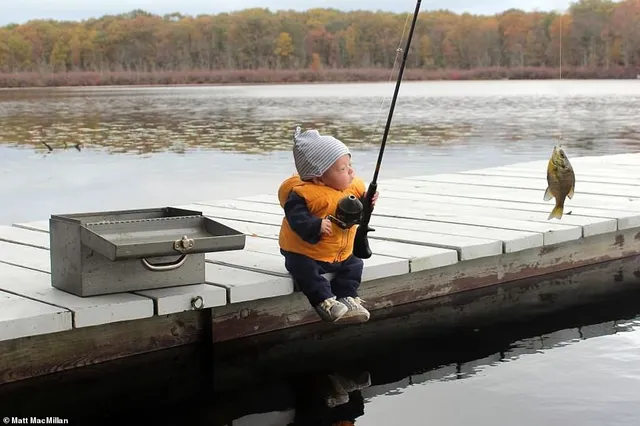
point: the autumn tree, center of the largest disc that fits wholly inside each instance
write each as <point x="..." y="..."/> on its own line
<point x="283" y="48"/>
<point x="593" y="33"/>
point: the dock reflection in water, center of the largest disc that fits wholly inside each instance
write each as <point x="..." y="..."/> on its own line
<point x="561" y="350"/>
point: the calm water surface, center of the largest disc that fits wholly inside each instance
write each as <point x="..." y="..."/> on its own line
<point x="173" y="145"/>
<point x="116" y="148"/>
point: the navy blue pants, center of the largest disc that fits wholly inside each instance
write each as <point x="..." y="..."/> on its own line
<point x="307" y="274"/>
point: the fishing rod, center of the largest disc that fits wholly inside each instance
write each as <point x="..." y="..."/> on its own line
<point x="361" y="242"/>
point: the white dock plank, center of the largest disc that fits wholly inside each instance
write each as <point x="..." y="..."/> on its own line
<point x="627" y="159"/>
<point x="420" y="257"/>
<point x="87" y="311"/>
<point x="588" y="175"/>
<point x="403" y="218"/>
<point x="506" y="194"/>
<point x="262" y="245"/>
<point x="254" y="261"/>
<point x="467" y="247"/>
<point x="244" y="285"/>
<point x="24" y="236"/>
<point x="553" y="233"/>
<point x="36" y="225"/>
<point x="593" y="220"/>
<point x="240" y="204"/>
<point x="25" y="256"/>
<point x="567" y="229"/>
<point x="595" y="173"/>
<point x="378" y="267"/>
<point x="630" y="160"/>
<point x="626" y="219"/>
<point x="258" y="217"/>
<point x="414" y="205"/>
<point x="512" y="240"/>
<point x="529" y="183"/>
<point x="485" y="191"/>
<point x="581" y="166"/>
<point x="22" y="317"/>
<point x="374" y="268"/>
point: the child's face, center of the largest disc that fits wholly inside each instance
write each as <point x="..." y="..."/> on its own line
<point x="340" y="175"/>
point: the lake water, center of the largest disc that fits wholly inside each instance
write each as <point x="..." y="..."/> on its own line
<point x="143" y="147"/>
<point x="154" y="146"/>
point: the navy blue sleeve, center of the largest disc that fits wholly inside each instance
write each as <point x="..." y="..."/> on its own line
<point x="301" y="220"/>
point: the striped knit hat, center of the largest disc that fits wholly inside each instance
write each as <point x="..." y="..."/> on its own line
<point x="314" y="153"/>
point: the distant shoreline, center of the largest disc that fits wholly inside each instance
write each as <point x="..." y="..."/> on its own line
<point x="298" y="76"/>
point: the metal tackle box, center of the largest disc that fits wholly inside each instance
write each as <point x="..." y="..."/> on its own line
<point x="130" y="250"/>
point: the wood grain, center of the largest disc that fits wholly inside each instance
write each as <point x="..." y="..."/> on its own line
<point x="50" y="353"/>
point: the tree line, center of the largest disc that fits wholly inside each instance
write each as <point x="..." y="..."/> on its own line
<point x="591" y="34"/>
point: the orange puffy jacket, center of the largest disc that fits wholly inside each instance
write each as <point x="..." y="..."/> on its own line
<point x="321" y="201"/>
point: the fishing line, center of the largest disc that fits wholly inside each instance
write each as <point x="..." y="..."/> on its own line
<point x="561" y="97"/>
<point x="561" y="29"/>
<point x="395" y="62"/>
<point x="361" y="247"/>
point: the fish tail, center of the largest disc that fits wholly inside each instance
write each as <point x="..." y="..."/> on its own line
<point x="556" y="212"/>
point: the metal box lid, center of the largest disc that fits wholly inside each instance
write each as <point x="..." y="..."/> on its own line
<point x="127" y="234"/>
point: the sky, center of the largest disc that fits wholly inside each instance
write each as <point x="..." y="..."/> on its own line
<point x="20" y="11"/>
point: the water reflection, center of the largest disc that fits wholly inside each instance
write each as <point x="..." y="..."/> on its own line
<point x="329" y="399"/>
<point x="588" y="115"/>
<point x="501" y="346"/>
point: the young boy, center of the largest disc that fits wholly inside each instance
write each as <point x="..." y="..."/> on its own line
<point x="312" y="245"/>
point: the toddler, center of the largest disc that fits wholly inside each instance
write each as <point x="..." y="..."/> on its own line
<point x="311" y="244"/>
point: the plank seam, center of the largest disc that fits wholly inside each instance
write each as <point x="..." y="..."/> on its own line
<point x="21" y="243"/>
<point x="227" y="291"/>
<point x="248" y="268"/>
<point x="28" y="228"/>
<point x="254" y="201"/>
<point x="23" y="266"/>
<point x="44" y="303"/>
<point x="417" y="243"/>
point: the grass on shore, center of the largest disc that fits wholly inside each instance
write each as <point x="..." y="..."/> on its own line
<point x="270" y="76"/>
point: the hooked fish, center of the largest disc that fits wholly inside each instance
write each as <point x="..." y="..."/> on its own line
<point x="560" y="179"/>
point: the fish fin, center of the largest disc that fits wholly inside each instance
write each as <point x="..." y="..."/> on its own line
<point x="547" y="194"/>
<point x="570" y="194"/>
<point x="556" y="212"/>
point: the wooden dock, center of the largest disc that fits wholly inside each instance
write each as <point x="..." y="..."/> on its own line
<point x="435" y="235"/>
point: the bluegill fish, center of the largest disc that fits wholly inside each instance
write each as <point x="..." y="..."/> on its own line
<point x="561" y="181"/>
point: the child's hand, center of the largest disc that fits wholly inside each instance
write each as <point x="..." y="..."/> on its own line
<point x="325" y="227"/>
<point x="374" y="199"/>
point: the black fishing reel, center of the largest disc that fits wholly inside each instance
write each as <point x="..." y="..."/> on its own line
<point x="348" y="212"/>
